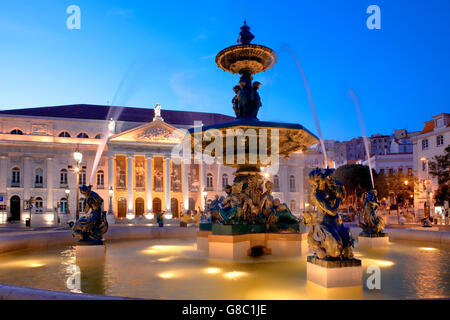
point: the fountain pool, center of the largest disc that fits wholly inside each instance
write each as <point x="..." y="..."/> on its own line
<point x="174" y="269"/>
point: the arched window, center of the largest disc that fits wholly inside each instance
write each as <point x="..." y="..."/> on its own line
<point x="224" y="180"/>
<point x="38" y="204"/>
<point x="98" y="136"/>
<point x="38" y="178"/>
<point x="209" y="181"/>
<point x="15" y="179"/>
<point x="17" y="131"/>
<point x="64" y="134"/>
<point x="100" y="179"/>
<point x="292" y="183"/>
<point x="83" y="135"/>
<point x="276" y="183"/>
<point x="292" y="206"/>
<point x="63" y="205"/>
<point x="63" y="178"/>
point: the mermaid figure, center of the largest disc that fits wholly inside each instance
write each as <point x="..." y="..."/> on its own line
<point x="329" y="238"/>
<point x="91" y="228"/>
<point x="373" y="224"/>
<point x="231" y="211"/>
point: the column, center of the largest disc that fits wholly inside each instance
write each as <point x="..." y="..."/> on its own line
<point x="27" y="176"/>
<point x="167" y="184"/>
<point x="3" y="174"/>
<point x="284" y="182"/>
<point x="301" y="188"/>
<point x="185" y="185"/>
<point x="130" y="200"/>
<point x="50" y="185"/>
<point x="111" y="181"/>
<point x="218" y="177"/>
<point x="202" y="183"/>
<point x="149" y="186"/>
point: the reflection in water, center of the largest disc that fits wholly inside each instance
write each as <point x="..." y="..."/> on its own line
<point x="174" y="269"/>
<point x="92" y="275"/>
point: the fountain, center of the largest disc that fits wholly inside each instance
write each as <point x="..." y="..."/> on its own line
<point x="249" y="216"/>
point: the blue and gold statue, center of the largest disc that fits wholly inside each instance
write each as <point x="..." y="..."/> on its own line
<point x="328" y="237"/>
<point x="91" y="228"/>
<point x="373" y="224"/>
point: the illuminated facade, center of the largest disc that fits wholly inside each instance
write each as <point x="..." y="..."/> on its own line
<point x="135" y="173"/>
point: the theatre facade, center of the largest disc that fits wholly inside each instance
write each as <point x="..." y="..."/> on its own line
<point x="136" y="173"/>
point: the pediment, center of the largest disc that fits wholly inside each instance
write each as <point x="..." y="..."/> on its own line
<point x="153" y="132"/>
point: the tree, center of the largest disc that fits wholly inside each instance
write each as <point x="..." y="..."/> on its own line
<point x="440" y="168"/>
<point x="401" y="186"/>
<point x="356" y="180"/>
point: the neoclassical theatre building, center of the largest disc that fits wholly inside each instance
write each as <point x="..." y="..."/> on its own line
<point x="135" y="174"/>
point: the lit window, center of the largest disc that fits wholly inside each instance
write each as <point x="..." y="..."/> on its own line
<point x="100" y="178"/>
<point x="292" y="206"/>
<point x="38" y="204"/>
<point x="64" y="134"/>
<point x="209" y="181"/>
<point x="63" y="205"/>
<point x="63" y="178"/>
<point x="276" y="183"/>
<point x="439" y="140"/>
<point x="224" y="180"/>
<point x="424" y="144"/>
<point x="82" y="178"/>
<point x="17" y="131"/>
<point x="38" y="178"/>
<point x="15" y="181"/>
<point x="409" y="171"/>
<point x="292" y="183"/>
<point x="82" y="205"/>
<point x="83" y="135"/>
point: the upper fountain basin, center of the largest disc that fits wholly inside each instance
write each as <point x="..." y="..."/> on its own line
<point x="248" y="58"/>
<point x="291" y="138"/>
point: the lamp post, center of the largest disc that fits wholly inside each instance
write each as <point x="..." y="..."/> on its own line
<point x="427" y="206"/>
<point x="205" y="195"/>
<point x="111" y="193"/>
<point x="67" y="191"/>
<point x="78" y="157"/>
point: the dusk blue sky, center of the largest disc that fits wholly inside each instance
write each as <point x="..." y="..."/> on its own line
<point x="163" y="51"/>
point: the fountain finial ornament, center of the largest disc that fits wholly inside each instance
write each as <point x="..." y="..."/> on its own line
<point x="90" y="229"/>
<point x="245" y="36"/>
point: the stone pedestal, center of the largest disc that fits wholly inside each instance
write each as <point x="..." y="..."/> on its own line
<point x="287" y="245"/>
<point x="334" y="274"/>
<point x="373" y="241"/>
<point x="202" y="240"/>
<point x="90" y="251"/>
<point x="229" y="247"/>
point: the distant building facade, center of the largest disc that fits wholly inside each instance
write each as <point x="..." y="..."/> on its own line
<point x="430" y="142"/>
<point x="136" y="174"/>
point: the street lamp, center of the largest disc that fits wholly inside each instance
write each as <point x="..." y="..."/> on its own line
<point x="111" y="193"/>
<point x="78" y="157"/>
<point x="204" y="194"/>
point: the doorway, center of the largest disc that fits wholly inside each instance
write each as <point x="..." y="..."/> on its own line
<point x="14" y="206"/>
<point x="139" y="205"/>
<point x="156" y="205"/>
<point x="122" y="208"/>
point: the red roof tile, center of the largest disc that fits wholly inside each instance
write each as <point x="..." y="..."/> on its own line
<point x="429" y="127"/>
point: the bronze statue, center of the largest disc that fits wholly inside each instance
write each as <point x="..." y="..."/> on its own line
<point x="328" y="237"/>
<point x="90" y="229"/>
<point x="373" y="224"/>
